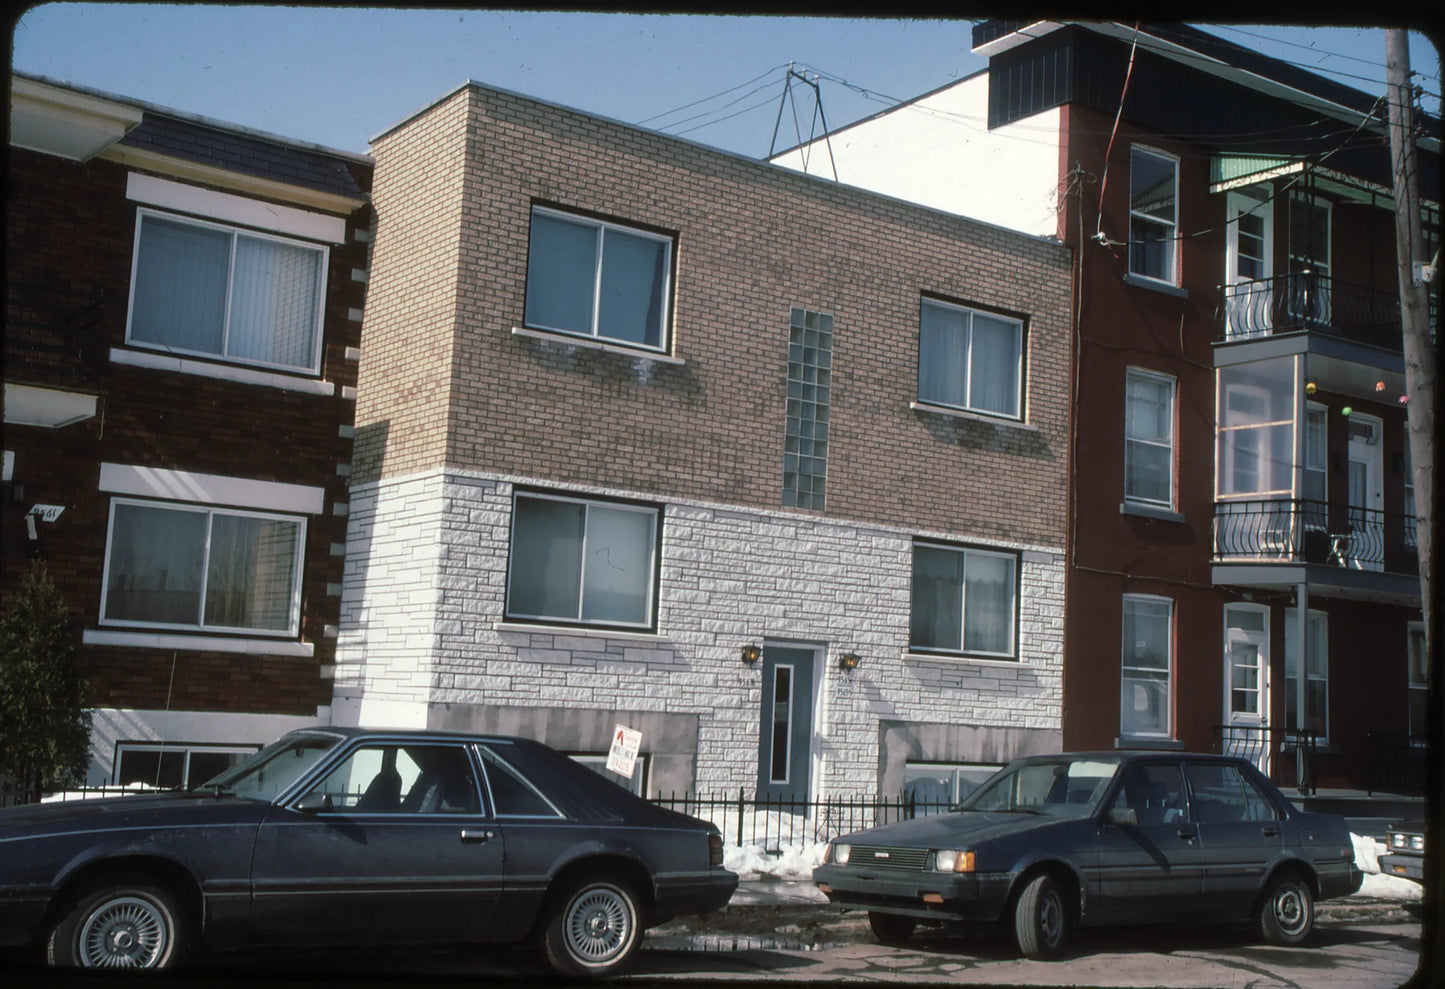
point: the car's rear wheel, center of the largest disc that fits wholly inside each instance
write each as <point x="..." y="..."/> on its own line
<point x="1041" y="918"/>
<point x="889" y="928"/>
<point x="121" y="923"/>
<point x="1286" y="911"/>
<point x="595" y="931"/>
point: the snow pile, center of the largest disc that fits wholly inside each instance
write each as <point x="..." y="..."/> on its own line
<point x="794" y="863"/>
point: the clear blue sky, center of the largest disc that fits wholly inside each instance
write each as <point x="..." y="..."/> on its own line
<point x="338" y="76"/>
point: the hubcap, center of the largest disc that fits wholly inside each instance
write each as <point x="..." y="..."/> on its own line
<point x="127" y="932"/>
<point x="600" y="926"/>
<point x="1289" y="909"/>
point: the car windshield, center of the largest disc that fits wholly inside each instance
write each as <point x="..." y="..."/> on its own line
<point x="1062" y="787"/>
<point x="272" y="770"/>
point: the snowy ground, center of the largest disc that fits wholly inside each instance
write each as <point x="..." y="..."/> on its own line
<point x="796" y="862"/>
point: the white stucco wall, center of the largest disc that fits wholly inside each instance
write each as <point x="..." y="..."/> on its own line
<point x="938" y="151"/>
<point x="423" y="599"/>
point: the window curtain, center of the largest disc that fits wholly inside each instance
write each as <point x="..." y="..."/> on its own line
<point x="634" y="279"/>
<point x="994" y="365"/>
<point x="617" y="571"/>
<point x="180" y="286"/>
<point x="936" y="615"/>
<point x="943" y="343"/>
<point x="561" y="274"/>
<point x="155" y="565"/>
<point x="274" y="303"/>
<point x="251" y="573"/>
<point x="988" y="600"/>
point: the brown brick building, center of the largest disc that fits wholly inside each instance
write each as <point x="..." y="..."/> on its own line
<point x="183" y="316"/>
<point x="651" y="434"/>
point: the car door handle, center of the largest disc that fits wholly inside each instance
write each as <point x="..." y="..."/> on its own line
<point x="1271" y="831"/>
<point x="475" y="837"/>
<point x="1187" y="834"/>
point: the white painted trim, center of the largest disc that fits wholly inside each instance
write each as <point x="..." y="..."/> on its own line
<point x="919" y="657"/>
<point x="591" y="343"/>
<point x="944" y="410"/>
<point x="211" y="489"/>
<point x="197" y="643"/>
<point x="572" y="631"/>
<point x="235" y="209"/>
<point x="225" y="372"/>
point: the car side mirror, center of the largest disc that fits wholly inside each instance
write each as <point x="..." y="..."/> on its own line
<point x="314" y="803"/>
<point x="1122" y="815"/>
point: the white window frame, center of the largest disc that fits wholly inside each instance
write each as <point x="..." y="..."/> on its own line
<point x="1169" y="444"/>
<point x="654" y="555"/>
<point x="597" y="762"/>
<point x="1169" y="228"/>
<point x="313" y="368"/>
<point x="294" y="623"/>
<point x="600" y="225"/>
<point x="1292" y="660"/>
<point x="123" y="746"/>
<point x="1170" y="676"/>
<point x="1012" y="654"/>
<point x="955" y="772"/>
<point x="1016" y="415"/>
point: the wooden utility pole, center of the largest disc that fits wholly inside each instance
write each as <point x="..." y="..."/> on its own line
<point x="1420" y="368"/>
<point x="1414" y="306"/>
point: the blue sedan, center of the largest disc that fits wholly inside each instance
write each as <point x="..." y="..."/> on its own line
<point x="334" y="836"/>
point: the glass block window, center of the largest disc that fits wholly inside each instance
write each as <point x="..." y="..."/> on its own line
<point x="810" y="375"/>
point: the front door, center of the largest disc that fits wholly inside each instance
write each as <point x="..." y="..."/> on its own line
<point x="1246" y="683"/>
<point x="785" y="746"/>
<point x="1366" y="549"/>
<point x="1249" y="295"/>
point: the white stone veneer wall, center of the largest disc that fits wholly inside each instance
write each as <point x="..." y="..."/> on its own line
<point x="422" y="624"/>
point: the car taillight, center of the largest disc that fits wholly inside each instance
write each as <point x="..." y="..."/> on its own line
<point x="714" y="850"/>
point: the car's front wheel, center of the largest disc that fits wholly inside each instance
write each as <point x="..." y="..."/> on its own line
<point x="1286" y="911"/>
<point x="1041" y="918"/>
<point x="118" y="924"/>
<point x="889" y="928"/>
<point x="594" y="932"/>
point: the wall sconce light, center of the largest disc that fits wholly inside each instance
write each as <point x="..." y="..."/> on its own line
<point x="848" y="662"/>
<point x="751" y="654"/>
<point x="1311" y="387"/>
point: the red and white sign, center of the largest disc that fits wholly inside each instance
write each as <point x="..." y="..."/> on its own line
<point x="623" y="754"/>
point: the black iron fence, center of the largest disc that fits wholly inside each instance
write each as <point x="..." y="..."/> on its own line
<point x="1285" y="755"/>
<point x="1397" y="763"/>
<point x="1297" y="530"/>
<point x="1307" y="301"/>
<point x="772" y="824"/>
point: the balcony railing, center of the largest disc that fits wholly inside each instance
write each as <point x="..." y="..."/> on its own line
<point x="1296" y="530"/>
<point x="1285" y="755"/>
<point x="1308" y="302"/>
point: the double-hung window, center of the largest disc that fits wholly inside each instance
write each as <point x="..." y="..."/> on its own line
<point x="1411" y="523"/>
<point x="970" y="360"/>
<point x="198" y="568"/>
<point x="1147" y="666"/>
<point x="598" y="279"/>
<point x="582" y="561"/>
<point x="1149" y="438"/>
<point x="1153" y="214"/>
<point x="207" y="289"/>
<point x="963" y="601"/>
<point x="1418" y="679"/>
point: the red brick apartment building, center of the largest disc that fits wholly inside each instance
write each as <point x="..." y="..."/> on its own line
<point x="767" y="468"/>
<point x="1240" y="486"/>
<point x="182" y="322"/>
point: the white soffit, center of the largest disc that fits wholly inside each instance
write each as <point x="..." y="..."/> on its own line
<point x="211" y="489"/>
<point x="61" y="122"/>
<point x="30" y="405"/>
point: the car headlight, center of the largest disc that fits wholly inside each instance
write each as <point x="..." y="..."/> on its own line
<point x="1417" y="842"/>
<point x="838" y="854"/>
<point x="953" y="860"/>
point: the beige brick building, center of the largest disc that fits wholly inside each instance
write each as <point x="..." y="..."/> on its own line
<point x="628" y="405"/>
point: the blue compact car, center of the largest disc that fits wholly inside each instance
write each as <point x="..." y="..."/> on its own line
<point x="1053" y="842"/>
<point x="334" y="836"/>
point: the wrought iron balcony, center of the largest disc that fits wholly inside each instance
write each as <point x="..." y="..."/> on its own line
<point x="1308" y="302"/>
<point x="1301" y="531"/>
